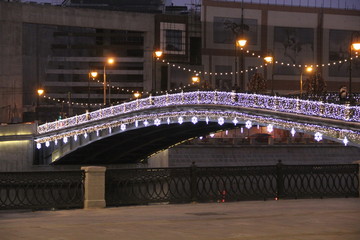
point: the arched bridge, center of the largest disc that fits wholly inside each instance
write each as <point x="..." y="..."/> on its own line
<point x="134" y="130"/>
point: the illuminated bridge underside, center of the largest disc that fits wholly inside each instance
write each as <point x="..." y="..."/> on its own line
<point x="129" y="133"/>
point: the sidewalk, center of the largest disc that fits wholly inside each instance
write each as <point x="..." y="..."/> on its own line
<point x="313" y="219"/>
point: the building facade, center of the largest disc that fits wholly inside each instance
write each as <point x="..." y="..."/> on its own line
<point x="56" y="47"/>
<point x="294" y="36"/>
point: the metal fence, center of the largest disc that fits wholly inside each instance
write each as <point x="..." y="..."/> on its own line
<point x="41" y="190"/>
<point x="222" y="184"/>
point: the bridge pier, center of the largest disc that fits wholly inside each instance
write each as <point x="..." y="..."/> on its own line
<point x="94" y="196"/>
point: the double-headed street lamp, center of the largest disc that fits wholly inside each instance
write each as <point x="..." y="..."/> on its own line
<point x="355" y="44"/>
<point x="109" y="61"/>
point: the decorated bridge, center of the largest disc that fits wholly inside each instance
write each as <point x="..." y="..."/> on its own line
<point x="135" y="130"/>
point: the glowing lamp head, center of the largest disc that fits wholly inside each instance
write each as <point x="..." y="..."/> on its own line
<point x="309" y="69"/>
<point x="241" y="42"/>
<point x="40" y="91"/>
<point x="137" y="94"/>
<point x="94" y="74"/>
<point x="356" y="46"/>
<point x="158" y="53"/>
<point x="268" y="59"/>
<point x="110" y="60"/>
<point x="195" y="79"/>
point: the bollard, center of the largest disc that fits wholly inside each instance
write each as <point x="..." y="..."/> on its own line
<point x="94" y="196"/>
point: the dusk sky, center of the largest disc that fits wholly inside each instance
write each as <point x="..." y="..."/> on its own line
<point x="327" y="3"/>
<point x="352" y="4"/>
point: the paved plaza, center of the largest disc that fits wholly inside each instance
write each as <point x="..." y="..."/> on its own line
<point x="311" y="219"/>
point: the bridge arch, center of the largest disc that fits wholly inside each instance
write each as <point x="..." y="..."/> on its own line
<point x="137" y="129"/>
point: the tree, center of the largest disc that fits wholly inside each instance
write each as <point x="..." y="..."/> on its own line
<point x="315" y="85"/>
<point x="257" y="83"/>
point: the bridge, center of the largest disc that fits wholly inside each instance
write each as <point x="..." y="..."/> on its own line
<point x="135" y="130"/>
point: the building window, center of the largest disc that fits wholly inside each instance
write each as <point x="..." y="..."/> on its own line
<point x="172" y="38"/>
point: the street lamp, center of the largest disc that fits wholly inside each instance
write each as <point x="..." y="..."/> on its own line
<point x="109" y="61"/>
<point x="40" y="92"/>
<point x="240" y="42"/>
<point x="92" y="74"/>
<point x="308" y="70"/>
<point x="137" y="95"/>
<point x="158" y="54"/>
<point x="269" y="59"/>
<point x="355" y="44"/>
<point x="195" y="80"/>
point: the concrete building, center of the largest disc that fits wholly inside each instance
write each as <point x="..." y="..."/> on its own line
<point x="55" y="48"/>
<point x="294" y="35"/>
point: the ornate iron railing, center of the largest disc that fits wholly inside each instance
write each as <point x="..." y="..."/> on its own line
<point x="220" y="184"/>
<point x="41" y="190"/>
<point x="308" y="181"/>
<point x="274" y="103"/>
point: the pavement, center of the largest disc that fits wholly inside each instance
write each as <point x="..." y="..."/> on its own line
<point x="306" y="219"/>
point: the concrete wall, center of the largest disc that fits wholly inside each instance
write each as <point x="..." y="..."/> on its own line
<point x="183" y="156"/>
<point x="16" y="147"/>
<point x="159" y="160"/>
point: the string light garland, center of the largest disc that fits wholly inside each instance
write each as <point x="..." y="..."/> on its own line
<point x="287" y="64"/>
<point x="51" y="132"/>
<point x="213" y="116"/>
<point x="280" y="104"/>
<point x="174" y="65"/>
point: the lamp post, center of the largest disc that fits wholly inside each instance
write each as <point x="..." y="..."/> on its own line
<point x="92" y="74"/>
<point x="157" y="54"/>
<point x="308" y="70"/>
<point x="109" y="61"/>
<point x="137" y="95"/>
<point x="195" y="80"/>
<point x="240" y="42"/>
<point x="269" y="59"/>
<point x="40" y="92"/>
<point x="355" y="44"/>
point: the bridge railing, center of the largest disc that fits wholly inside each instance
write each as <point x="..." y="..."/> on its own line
<point x="41" y="190"/>
<point x="97" y="188"/>
<point x="273" y="103"/>
<point x="222" y="184"/>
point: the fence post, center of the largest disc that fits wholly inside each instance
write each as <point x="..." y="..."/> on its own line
<point x="279" y="180"/>
<point x="358" y="162"/>
<point x="193" y="182"/>
<point x="94" y="196"/>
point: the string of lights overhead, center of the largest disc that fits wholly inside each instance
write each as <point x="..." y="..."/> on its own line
<point x="197" y="72"/>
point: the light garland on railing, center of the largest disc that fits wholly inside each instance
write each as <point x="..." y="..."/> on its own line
<point x="220" y="117"/>
<point x="345" y="113"/>
<point x="280" y="104"/>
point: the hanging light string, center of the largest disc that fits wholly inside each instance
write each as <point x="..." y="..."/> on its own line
<point x="188" y="69"/>
<point x="179" y="66"/>
<point x="57" y="100"/>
